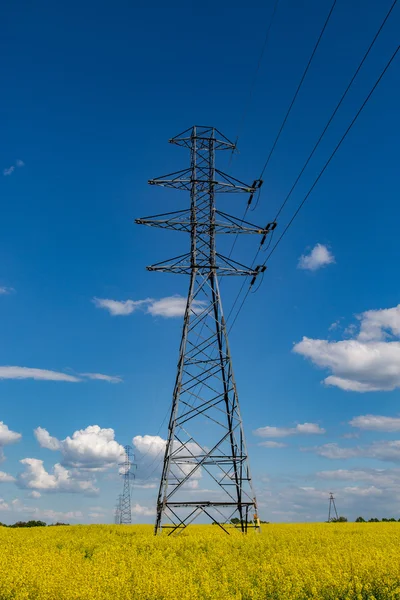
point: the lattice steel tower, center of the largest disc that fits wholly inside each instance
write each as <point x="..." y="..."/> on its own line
<point x="206" y="468"/>
<point x="332" y="509"/>
<point x="125" y="511"/>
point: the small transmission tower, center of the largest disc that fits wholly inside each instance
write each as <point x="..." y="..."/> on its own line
<point x="125" y="511"/>
<point x="332" y="509"/>
<point x="206" y="469"/>
<point x="117" y="513"/>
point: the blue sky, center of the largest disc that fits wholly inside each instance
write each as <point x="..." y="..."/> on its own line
<point x="92" y="95"/>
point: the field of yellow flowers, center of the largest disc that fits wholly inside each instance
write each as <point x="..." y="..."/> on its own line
<point x="116" y="562"/>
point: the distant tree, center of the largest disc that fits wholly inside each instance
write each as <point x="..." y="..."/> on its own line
<point x="360" y="520"/>
<point x="339" y="520"/>
<point x="235" y="521"/>
<point x="29" y="524"/>
<point x="374" y="520"/>
<point x="57" y="524"/>
<point x="392" y="520"/>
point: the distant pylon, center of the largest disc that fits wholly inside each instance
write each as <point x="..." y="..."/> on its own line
<point x="206" y="469"/>
<point x="128" y="476"/>
<point x="117" y="513"/>
<point x="332" y="508"/>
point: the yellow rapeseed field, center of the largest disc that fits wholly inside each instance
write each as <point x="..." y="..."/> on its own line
<point x="111" y="562"/>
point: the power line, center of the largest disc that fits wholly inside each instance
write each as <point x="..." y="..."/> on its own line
<point x="298" y="88"/>
<point x="337" y="108"/>
<point x="320" y="139"/>
<point x="282" y="127"/>
<point x="333" y="153"/>
<point x="317" y="178"/>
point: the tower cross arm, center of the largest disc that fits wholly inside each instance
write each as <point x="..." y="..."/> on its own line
<point x="181" y="220"/>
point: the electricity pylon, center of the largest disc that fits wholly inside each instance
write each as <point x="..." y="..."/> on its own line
<point x="332" y="508"/>
<point x="206" y="468"/>
<point x="117" y="512"/>
<point x="125" y="511"/>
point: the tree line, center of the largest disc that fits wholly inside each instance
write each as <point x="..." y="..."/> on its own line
<point x="32" y="524"/>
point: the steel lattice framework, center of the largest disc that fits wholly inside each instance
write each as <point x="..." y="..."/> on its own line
<point x="332" y="509"/>
<point x="206" y="468"/>
<point x="124" y="511"/>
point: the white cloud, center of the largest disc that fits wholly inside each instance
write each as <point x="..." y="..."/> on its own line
<point x="9" y="171"/>
<point x="172" y="306"/>
<point x="333" y="451"/>
<point x="377" y="325"/>
<point x="369" y="362"/>
<point x="151" y="449"/>
<point x="46" y="375"/>
<point x="376" y="423"/>
<point x="19" y="163"/>
<point x="46" y="440"/>
<point x="36" y="477"/>
<point x="382" y="477"/>
<point x="142" y="511"/>
<point x="29" y="373"/>
<point x="6" y="478"/>
<point x="90" y="448"/>
<point x="34" y="494"/>
<point x="4" y="290"/>
<point x="144" y="486"/>
<point x="7" y="436"/>
<point x="382" y="450"/>
<point x="271" y="444"/>
<point x="118" y="307"/>
<point x="149" y="445"/>
<point x="301" y="428"/>
<point x="4" y="505"/>
<point x="319" y="257"/>
<point x="169" y="307"/>
<point x="96" y="515"/>
<point x="101" y="377"/>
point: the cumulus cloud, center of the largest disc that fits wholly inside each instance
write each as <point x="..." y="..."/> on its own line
<point x="6" y="478"/>
<point x="61" y="479"/>
<point x="379" y="324"/>
<point x="151" y="449"/>
<point x="376" y="423"/>
<point x="271" y="444"/>
<point x="34" y="494"/>
<point x="142" y="511"/>
<point x="7" y="436"/>
<point x="301" y="428"/>
<point x="90" y="448"/>
<point x="368" y="362"/>
<point x="46" y="440"/>
<point x="319" y="257"/>
<point x="169" y="307"/>
<point x="149" y="445"/>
